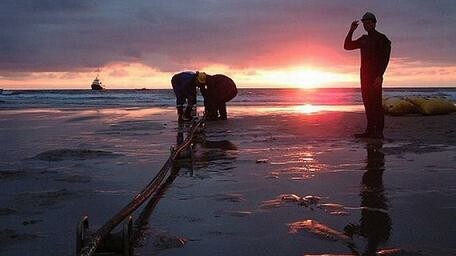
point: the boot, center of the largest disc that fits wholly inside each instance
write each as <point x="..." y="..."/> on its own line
<point x="211" y="116"/>
<point x="365" y="134"/>
<point x="210" y="112"/>
<point x="180" y="113"/>
<point x="222" y="111"/>
<point x="187" y="116"/>
<point x="377" y="134"/>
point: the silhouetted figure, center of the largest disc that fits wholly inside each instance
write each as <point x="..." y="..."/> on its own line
<point x="375" y="54"/>
<point x="184" y="86"/>
<point x="375" y="223"/>
<point x="217" y="90"/>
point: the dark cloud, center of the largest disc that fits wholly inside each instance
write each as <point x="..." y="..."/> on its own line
<point x="52" y="6"/>
<point x="46" y="35"/>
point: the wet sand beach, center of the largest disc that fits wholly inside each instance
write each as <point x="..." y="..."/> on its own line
<point x="268" y="181"/>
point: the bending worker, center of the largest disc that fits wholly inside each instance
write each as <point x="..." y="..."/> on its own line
<point x="375" y="54"/>
<point x="217" y="90"/>
<point x="184" y="86"/>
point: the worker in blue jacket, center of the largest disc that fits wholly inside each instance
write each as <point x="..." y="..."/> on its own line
<point x="184" y="86"/>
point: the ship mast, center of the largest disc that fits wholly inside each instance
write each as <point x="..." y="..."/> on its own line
<point x="98" y="72"/>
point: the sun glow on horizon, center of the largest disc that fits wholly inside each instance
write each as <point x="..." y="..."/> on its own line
<point x="135" y="75"/>
<point x="303" y="77"/>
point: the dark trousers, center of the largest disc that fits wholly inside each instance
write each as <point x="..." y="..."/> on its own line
<point x="214" y="109"/>
<point x="372" y="99"/>
<point x="221" y="108"/>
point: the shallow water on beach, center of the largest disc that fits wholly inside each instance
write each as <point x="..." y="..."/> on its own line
<point x="63" y="164"/>
<point x="269" y="181"/>
<point x="357" y="183"/>
<point x="165" y="97"/>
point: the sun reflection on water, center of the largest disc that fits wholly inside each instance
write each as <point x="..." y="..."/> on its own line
<point x="292" y="109"/>
<point x="300" y="164"/>
<point x="308" y="108"/>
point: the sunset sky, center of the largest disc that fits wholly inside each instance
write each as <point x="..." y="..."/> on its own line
<point x="47" y="44"/>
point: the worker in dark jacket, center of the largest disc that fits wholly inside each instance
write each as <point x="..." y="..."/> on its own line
<point x="184" y="86"/>
<point x="375" y="54"/>
<point x="217" y="90"/>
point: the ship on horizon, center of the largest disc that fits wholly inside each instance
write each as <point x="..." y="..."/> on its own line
<point x="97" y="85"/>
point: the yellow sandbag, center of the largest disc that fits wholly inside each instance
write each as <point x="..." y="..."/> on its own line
<point x="432" y="105"/>
<point x="397" y="106"/>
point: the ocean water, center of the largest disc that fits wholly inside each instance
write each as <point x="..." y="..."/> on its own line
<point x="165" y="97"/>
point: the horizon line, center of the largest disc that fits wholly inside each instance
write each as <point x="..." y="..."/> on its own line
<point x="239" y="88"/>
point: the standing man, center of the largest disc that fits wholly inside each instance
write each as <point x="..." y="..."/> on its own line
<point x="184" y="86"/>
<point x="217" y="90"/>
<point x="375" y="54"/>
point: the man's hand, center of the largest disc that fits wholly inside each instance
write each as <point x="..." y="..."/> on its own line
<point x="354" y="25"/>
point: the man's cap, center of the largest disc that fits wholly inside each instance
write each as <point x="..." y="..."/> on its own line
<point x="201" y="77"/>
<point x="369" y="16"/>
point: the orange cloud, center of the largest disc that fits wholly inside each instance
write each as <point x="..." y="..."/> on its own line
<point x="406" y="72"/>
<point x="401" y="72"/>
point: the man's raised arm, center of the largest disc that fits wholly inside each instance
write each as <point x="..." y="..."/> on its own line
<point x="349" y="44"/>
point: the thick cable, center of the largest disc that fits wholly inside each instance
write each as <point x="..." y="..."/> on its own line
<point x="98" y="237"/>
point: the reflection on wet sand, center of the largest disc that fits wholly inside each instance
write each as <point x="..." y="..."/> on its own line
<point x="375" y="223"/>
<point x="296" y="164"/>
<point x="308" y="108"/>
<point x="205" y="154"/>
<point x="222" y="144"/>
<point x="142" y="228"/>
<point x="293" y="109"/>
<point x="84" y="112"/>
<point x="194" y="158"/>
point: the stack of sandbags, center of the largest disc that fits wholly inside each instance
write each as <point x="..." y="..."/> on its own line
<point x="432" y="105"/>
<point x="425" y="105"/>
<point x="398" y="106"/>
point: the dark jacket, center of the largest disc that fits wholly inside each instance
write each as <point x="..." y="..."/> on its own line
<point x="184" y="87"/>
<point x="219" y="89"/>
<point x="375" y="53"/>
